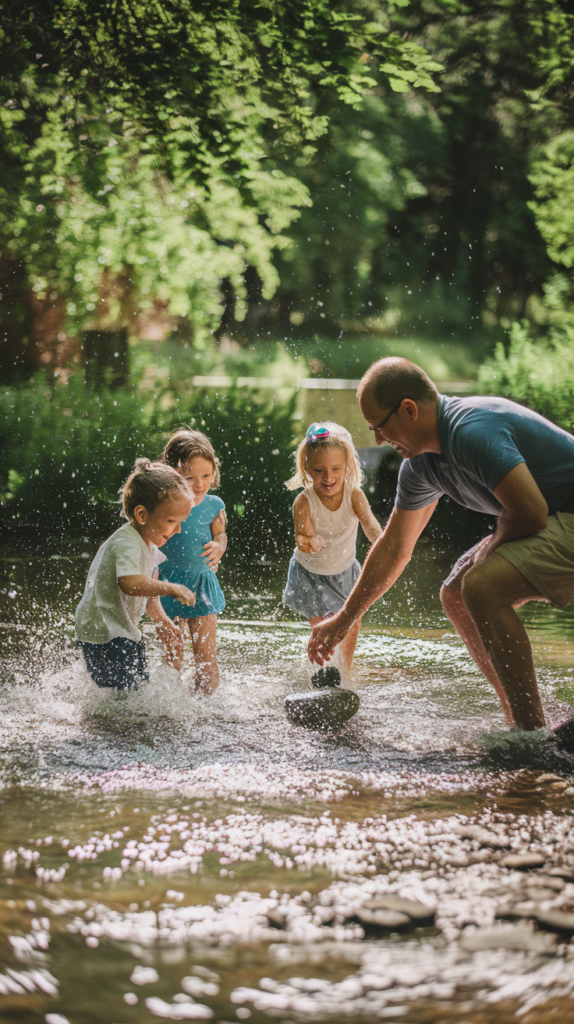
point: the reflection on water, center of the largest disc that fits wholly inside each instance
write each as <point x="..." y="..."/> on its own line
<point x="159" y="829"/>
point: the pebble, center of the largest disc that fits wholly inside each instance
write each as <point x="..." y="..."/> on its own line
<point x="564" y="871"/>
<point x="524" y="861"/>
<point x="555" y="920"/>
<point x="507" y="936"/>
<point x="386" y="920"/>
<point x="418" y="912"/>
<point x="277" y="918"/>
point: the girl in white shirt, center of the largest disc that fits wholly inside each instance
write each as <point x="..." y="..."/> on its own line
<point x="119" y="587"/>
<point x="324" y="567"/>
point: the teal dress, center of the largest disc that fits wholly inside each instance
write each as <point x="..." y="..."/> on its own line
<point x="185" y="565"/>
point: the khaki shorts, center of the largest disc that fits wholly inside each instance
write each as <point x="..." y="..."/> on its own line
<point x="546" y="559"/>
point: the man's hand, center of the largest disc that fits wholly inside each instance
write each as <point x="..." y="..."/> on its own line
<point x="168" y="631"/>
<point x="325" y="637"/>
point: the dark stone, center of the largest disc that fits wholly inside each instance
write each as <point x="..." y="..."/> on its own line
<point x="328" y="676"/>
<point x="524" y="861"/>
<point x="323" y="710"/>
<point x="277" y="918"/>
<point x="418" y="912"/>
<point x="560" y="921"/>
<point x="564" y="734"/>
<point x="507" y="936"/>
<point x="515" y="912"/>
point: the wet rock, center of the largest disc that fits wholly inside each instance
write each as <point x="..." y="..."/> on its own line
<point x="524" y="861"/>
<point x="545" y="881"/>
<point x="507" y="936"/>
<point x="564" y="871"/>
<point x="550" y="777"/>
<point x="561" y="921"/>
<point x="277" y="918"/>
<point x="323" y="710"/>
<point x="492" y="840"/>
<point x="383" y="920"/>
<point x="419" y="913"/>
<point x="537" y="894"/>
<point x="515" y="912"/>
<point x="329" y="676"/>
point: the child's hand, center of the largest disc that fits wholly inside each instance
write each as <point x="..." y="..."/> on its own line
<point x="182" y="594"/>
<point x="310" y="545"/>
<point x="168" y="631"/>
<point x="213" y="552"/>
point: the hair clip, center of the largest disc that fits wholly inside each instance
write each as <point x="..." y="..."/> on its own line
<point x="316" y="433"/>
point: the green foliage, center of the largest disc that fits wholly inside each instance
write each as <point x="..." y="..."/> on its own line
<point x="66" y="451"/>
<point x="553" y="179"/>
<point x="141" y="142"/>
<point x="536" y="373"/>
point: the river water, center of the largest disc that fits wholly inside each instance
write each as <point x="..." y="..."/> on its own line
<point x="167" y="857"/>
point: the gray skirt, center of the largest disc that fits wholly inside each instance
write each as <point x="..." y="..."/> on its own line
<point x="312" y="594"/>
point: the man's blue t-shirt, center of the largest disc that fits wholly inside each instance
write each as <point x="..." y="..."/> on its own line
<point x="482" y="439"/>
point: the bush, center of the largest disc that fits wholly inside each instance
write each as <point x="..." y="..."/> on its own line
<point x="66" y="451"/>
<point x="536" y="373"/>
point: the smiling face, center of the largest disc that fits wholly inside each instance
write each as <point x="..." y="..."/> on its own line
<point x="198" y="474"/>
<point x="158" y="526"/>
<point x="327" y="468"/>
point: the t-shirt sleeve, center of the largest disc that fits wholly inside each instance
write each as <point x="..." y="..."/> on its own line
<point x="218" y="506"/>
<point x="129" y="557"/>
<point x="414" y="489"/>
<point x="487" y="449"/>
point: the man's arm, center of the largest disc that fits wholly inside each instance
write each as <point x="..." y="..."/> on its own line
<point x="524" y="509"/>
<point x="383" y="566"/>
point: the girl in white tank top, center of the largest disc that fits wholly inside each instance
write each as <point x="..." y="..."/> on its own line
<point x="324" y="568"/>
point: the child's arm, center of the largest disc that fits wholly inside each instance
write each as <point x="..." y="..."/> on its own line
<point x="144" y="586"/>
<point x="214" y="550"/>
<point x="371" y="526"/>
<point x="305" y="537"/>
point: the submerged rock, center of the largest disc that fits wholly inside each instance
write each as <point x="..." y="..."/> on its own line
<point x="419" y="913"/>
<point x="561" y="921"/>
<point x="507" y="936"/>
<point x="524" y="861"/>
<point x="324" y="709"/>
<point x="385" y="920"/>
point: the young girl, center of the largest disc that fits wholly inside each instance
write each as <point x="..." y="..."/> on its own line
<point x="324" y="568"/>
<point x="155" y="500"/>
<point x="193" y="556"/>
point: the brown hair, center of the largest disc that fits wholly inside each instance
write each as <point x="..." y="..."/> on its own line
<point x="149" y="484"/>
<point x="185" y="444"/>
<point x="392" y="378"/>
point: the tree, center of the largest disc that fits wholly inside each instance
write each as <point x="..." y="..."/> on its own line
<point x="144" y="142"/>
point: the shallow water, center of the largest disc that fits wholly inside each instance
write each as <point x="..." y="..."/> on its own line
<point x="158" y="830"/>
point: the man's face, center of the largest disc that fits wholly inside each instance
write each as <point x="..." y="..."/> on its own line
<point x="395" y="426"/>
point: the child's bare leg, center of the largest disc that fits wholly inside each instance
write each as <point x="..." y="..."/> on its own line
<point x="173" y="645"/>
<point x="203" y="631"/>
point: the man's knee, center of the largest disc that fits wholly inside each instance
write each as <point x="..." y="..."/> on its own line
<point x="479" y="591"/>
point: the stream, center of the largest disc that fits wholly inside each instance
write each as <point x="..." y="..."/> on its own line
<point x="172" y="857"/>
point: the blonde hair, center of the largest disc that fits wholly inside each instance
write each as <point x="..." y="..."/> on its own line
<point x="149" y="484"/>
<point x="338" y="437"/>
<point x="186" y="444"/>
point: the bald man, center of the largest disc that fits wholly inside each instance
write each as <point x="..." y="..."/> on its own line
<point x="494" y="456"/>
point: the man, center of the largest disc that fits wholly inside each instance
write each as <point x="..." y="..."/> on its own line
<point x="494" y="456"/>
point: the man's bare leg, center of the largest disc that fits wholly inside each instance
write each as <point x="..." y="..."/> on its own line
<point x="490" y="591"/>
<point x="456" y="610"/>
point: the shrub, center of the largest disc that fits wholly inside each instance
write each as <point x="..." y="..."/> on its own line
<point x="66" y="450"/>
<point x="536" y="373"/>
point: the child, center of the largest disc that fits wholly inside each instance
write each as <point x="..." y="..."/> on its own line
<point x="155" y="500"/>
<point x="193" y="556"/>
<point x="324" y="569"/>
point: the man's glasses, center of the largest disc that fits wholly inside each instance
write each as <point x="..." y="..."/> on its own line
<point x="382" y="425"/>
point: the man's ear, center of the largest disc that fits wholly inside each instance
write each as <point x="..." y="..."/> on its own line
<point x="140" y="514"/>
<point x="411" y="408"/>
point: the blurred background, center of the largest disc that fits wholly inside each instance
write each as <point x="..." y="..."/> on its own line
<point x="221" y="214"/>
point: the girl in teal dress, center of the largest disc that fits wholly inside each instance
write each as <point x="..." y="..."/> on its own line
<point x="193" y="555"/>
